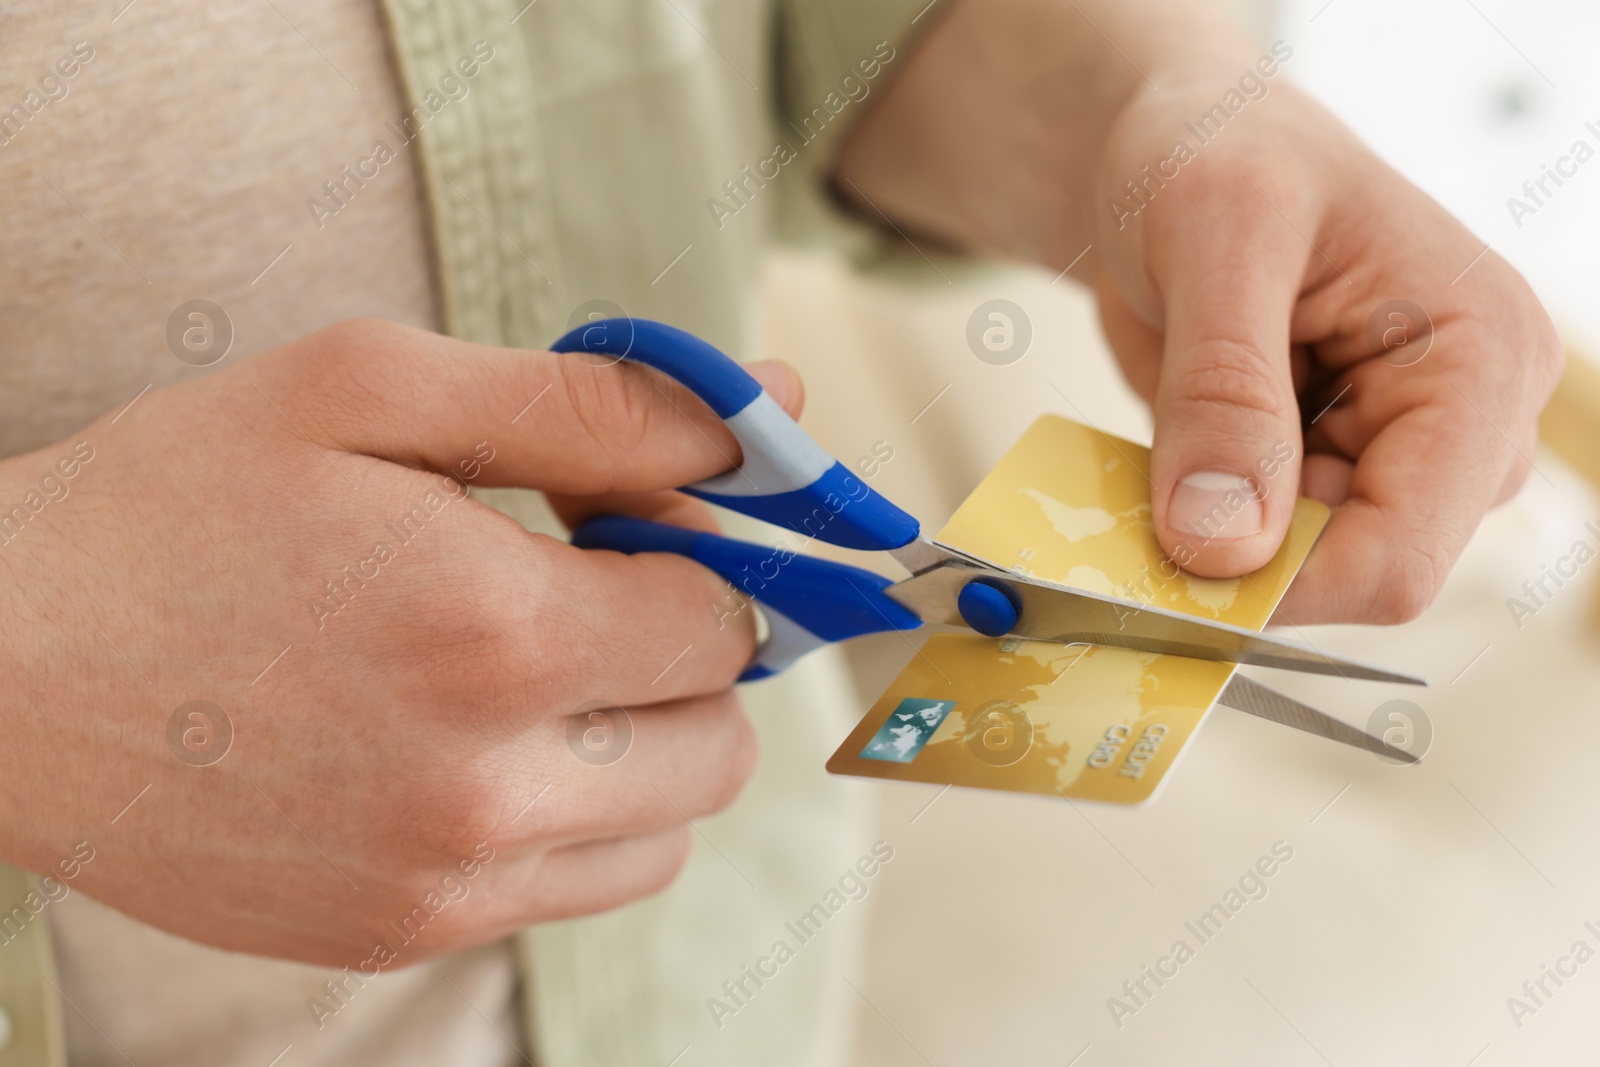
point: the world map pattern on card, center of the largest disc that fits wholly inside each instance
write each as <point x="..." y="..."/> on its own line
<point x="1071" y="505"/>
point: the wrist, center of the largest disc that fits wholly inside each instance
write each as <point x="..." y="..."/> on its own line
<point x="992" y="135"/>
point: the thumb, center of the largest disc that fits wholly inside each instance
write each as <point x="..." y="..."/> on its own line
<point x="1225" y="464"/>
<point x="550" y="421"/>
<point x="779" y="379"/>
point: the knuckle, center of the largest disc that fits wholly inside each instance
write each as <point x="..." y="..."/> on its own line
<point x="675" y="854"/>
<point x="1523" y="329"/>
<point x="664" y="855"/>
<point x="356" y="332"/>
<point x="1409" y="584"/>
<point x="1229" y="376"/>
<point x="462" y="810"/>
<point x="655" y="861"/>
<point x="1515" y="480"/>
<point x="611" y="410"/>
<point x="547" y="621"/>
<point x="1517" y="475"/>
<point x="1550" y="360"/>
<point x="351" y="365"/>
<point x="462" y="657"/>
<point x="739" y="755"/>
<point x="351" y="343"/>
<point x="734" y="648"/>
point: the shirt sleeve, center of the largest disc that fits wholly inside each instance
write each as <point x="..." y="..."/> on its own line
<point x="833" y="57"/>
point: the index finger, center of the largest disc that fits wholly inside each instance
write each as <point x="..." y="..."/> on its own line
<point x="573" y="625"/>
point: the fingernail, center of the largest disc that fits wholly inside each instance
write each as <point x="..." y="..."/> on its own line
<point x="1215" y="506"/>
<point x="778" y="379"/>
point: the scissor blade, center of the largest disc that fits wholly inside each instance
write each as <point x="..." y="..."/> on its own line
<point x="1248" y="695"/>
<point x="1062" y="614"/>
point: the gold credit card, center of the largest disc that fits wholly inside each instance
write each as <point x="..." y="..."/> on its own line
<point x="1071" y="505"/>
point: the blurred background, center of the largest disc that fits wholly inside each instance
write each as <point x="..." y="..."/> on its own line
<point x="1419" y="899"/>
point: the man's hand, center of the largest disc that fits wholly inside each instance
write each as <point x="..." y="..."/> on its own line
<point x="1242" y="282"/>
<point x="291" y="540"/>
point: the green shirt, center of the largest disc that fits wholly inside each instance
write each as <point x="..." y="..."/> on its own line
<point x="638" y="153"/>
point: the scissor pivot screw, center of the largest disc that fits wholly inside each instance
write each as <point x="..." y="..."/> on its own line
<point x="990" y="607"/>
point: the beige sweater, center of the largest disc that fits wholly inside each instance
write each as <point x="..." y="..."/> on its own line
<point x="153" y="154"/>
<point x="174" y="161"/>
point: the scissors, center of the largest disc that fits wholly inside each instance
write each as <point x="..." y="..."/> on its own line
<point x="789" y="480"/>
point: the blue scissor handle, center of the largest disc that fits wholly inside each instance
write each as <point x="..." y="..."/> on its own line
<point x="808" y="602"/>
<point x="786" y="478"/>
